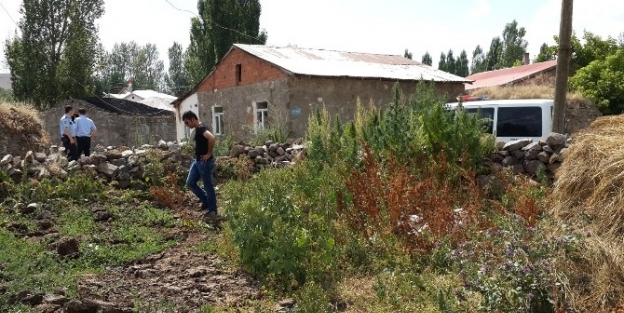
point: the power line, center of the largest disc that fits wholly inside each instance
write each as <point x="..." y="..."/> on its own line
<point x="7" y="13"/>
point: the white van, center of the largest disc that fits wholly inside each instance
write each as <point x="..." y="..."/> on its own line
<point x="513" y="119"/>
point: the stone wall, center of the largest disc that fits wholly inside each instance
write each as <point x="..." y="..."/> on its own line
<point x="114" y="128"/>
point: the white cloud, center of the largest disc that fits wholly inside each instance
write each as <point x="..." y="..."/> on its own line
<point x="482" y="9"/>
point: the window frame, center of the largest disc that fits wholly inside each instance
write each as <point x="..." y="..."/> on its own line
<point x="217" y="118"/>
<point x="264" y="115"/>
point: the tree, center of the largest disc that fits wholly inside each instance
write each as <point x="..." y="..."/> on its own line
<point x="602" y="81"/>
<point x="177" y="80"/>
<point x="546" y="53"/>
<point x="450" y="62"/>
<point x="513" y="45"/>
<point x="461" y="65"/>
<point x="220" y="24"/>
<point x="563" y="66"/>
<point x="494" y="55"/>
<point x="407" y="54"/>
<point x="442" y="63"/>
<point x="57" y="40"/>
<point x="478" y="61"/>
<point x="426" y="59"/>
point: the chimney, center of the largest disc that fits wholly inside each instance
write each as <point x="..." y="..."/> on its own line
<point x="130" y="85"/>
<point x="526" y="59"/>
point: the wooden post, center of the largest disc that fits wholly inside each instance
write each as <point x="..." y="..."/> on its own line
<point x="563" y="66"/>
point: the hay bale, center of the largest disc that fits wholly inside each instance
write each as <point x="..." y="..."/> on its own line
<point x="21" y="129"/>
<point x="588" y="195"/>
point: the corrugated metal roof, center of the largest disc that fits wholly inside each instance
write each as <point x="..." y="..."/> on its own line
<point x="330" y="63"/>
<point x="508" y="75"/>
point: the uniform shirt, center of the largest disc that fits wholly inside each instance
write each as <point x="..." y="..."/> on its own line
<point x="84" y="126"/>
<point x="66" y="121"/>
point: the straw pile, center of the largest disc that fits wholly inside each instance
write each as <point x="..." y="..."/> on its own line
<point x="589" y="196"/>
<point x="20" y="126"/>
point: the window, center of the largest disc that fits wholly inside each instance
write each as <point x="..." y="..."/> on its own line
<point x="519" y="122"/>
<point x="262" y="115"/>
<point x="217" y="120"/>
<point x="484" y="113"/>
<point x="187" y="132"/>
<point x="239" y="73"/>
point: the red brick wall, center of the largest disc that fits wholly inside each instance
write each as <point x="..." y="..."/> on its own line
<point x="253" y="70"/>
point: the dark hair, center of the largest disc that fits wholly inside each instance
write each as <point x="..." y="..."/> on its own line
<point x="189" y="115"/>
<point x="68" y="108"/>
<point x="82" y="111"/>
<point x="75" y="116"/>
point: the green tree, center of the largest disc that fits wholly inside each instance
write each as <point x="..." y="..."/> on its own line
<point x="442" y="66"/>
<point x="450" y="62"/>
<point x="177" y="80"/>
<point x="426" y="59"/>
<point x="513" y="45"/>
<point x="53" y="55"/>
<point x="478" y="61"/>
<point x="602" y="81"/>
<point x="461" y="65"/>
<point x="407" y="54"/>
<point x="494" y="55"/>
<point x="546" y="53"/>
<point x="220" y="24"/>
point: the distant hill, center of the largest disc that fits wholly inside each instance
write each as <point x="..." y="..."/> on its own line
<point x="5" y="81"/>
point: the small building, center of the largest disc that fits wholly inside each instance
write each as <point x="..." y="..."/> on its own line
<point x="119" y="122"/>
<point x="256" y="86"/>
<point x="148" y="97"/>
<point x="540" y="73"/>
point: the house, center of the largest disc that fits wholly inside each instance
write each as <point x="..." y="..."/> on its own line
<point x="541" y="72"/>
<point x="119" y="121"/>
<point x="254" y="86"/>
<point x="148" y="97"/>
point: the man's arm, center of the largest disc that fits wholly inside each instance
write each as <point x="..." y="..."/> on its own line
<point x="211" y="143"/>
<point x="68" y="132"/>
<point x="93" y="130"/>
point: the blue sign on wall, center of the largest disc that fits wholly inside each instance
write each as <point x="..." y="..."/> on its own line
<point x="295" y="111"/>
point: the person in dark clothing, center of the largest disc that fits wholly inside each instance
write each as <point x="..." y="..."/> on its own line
<point x="203" y="165"/>
<point x="68" y="134"/>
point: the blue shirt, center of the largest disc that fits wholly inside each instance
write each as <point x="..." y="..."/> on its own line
<point x="66" y="122"/>
<point x="84" y="126"/>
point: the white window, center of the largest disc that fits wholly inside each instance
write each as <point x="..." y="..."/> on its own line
<point x="262" y="115"/>
<point x="217" y="120"/>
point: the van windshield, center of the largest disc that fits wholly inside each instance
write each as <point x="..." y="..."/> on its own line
<point x="519" y="122"/>
<point x="487" y="113"/>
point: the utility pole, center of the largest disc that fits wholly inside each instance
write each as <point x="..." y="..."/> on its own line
<point x="563" y="66"/>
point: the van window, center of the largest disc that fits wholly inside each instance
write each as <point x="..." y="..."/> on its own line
<point x="484" y="113"/>
<point x="519" y="122"/>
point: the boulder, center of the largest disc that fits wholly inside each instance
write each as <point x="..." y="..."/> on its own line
<point x="556" y="139"/>
<point x="516" y="144"/>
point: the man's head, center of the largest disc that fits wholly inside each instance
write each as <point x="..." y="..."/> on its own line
<point x="190" y="119"/>
<point x="69" y="110"/>
<point x="82" y="111"/>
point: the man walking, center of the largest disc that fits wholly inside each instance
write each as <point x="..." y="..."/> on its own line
<point x="203" y="164"/>
<point x="68" y="134"/>
<point x="85" y="129"/>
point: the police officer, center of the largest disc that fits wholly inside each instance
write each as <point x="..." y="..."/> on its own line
<point x="68" y="134"/>
<point x="85" y="129"/>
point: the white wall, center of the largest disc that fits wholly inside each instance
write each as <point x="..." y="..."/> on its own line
<point x="189" y="103"/>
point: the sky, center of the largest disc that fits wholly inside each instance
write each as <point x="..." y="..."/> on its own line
<point x="373" y="26"/>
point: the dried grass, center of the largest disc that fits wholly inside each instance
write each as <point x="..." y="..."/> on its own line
<point x="532" y="91"/>
<point x="589" y="196"/>
<point x="23" y="119"/>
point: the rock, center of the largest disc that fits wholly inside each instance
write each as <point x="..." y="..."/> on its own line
<point x="236" y="151"/>
<point x="103" y="306"/>
<point x="102" y="216"/>
<point x="28" y="209"/>
<point x="112" y="154"/>
<point x="543" y="156"/>
<point x="280" y="151"/>
<point x="531" y="154"/>
<point x="534" y="166"/>
<point x="509" y="161"/>
<point x="500" y="145"/>
<point x="253" y="153"/>
<point x="40" y="157"/>
<point x="77" y="306"/>
<point x="55" y="170"/>
<point x="68" y="248"/>
<point x="73" y="165"/>
<point x="518" y="154"/>
<point x="119" y="162"/>
<point x="496" y="157"/>
<point x="44" y="224"/>
<point x="107" y="169"/>
<point x="162" y="144"/>
<point x="535" y="146"/>
<point x="140" y="152"/>
<point x="556" y="157"/>
<point x="16" y="227"/>
<point x="556" y="139"/>
<point x="172" y="146"/>
<point x="47" y="308"/>
<point x="553" y="167"/>
<point x="55" y="299"/>
<point x="516" y="144"/>
<point x="517" y="169"/>
<point x="126" y="154"/>
<point x="30" y="156"/>
<point x="31" y="299"/>
<point x="7" y="159"/>
<point x="32" y="168"/>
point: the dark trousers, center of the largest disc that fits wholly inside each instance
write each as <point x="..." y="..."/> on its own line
<point x="70" y="149"/>
<point x="84" y="145"/>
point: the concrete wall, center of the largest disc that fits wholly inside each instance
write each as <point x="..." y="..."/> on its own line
<point x="339" y="96"/>
<point x="113" y="128"/>
<point x="188" y="104"/>
<point x="237" y="103"/>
